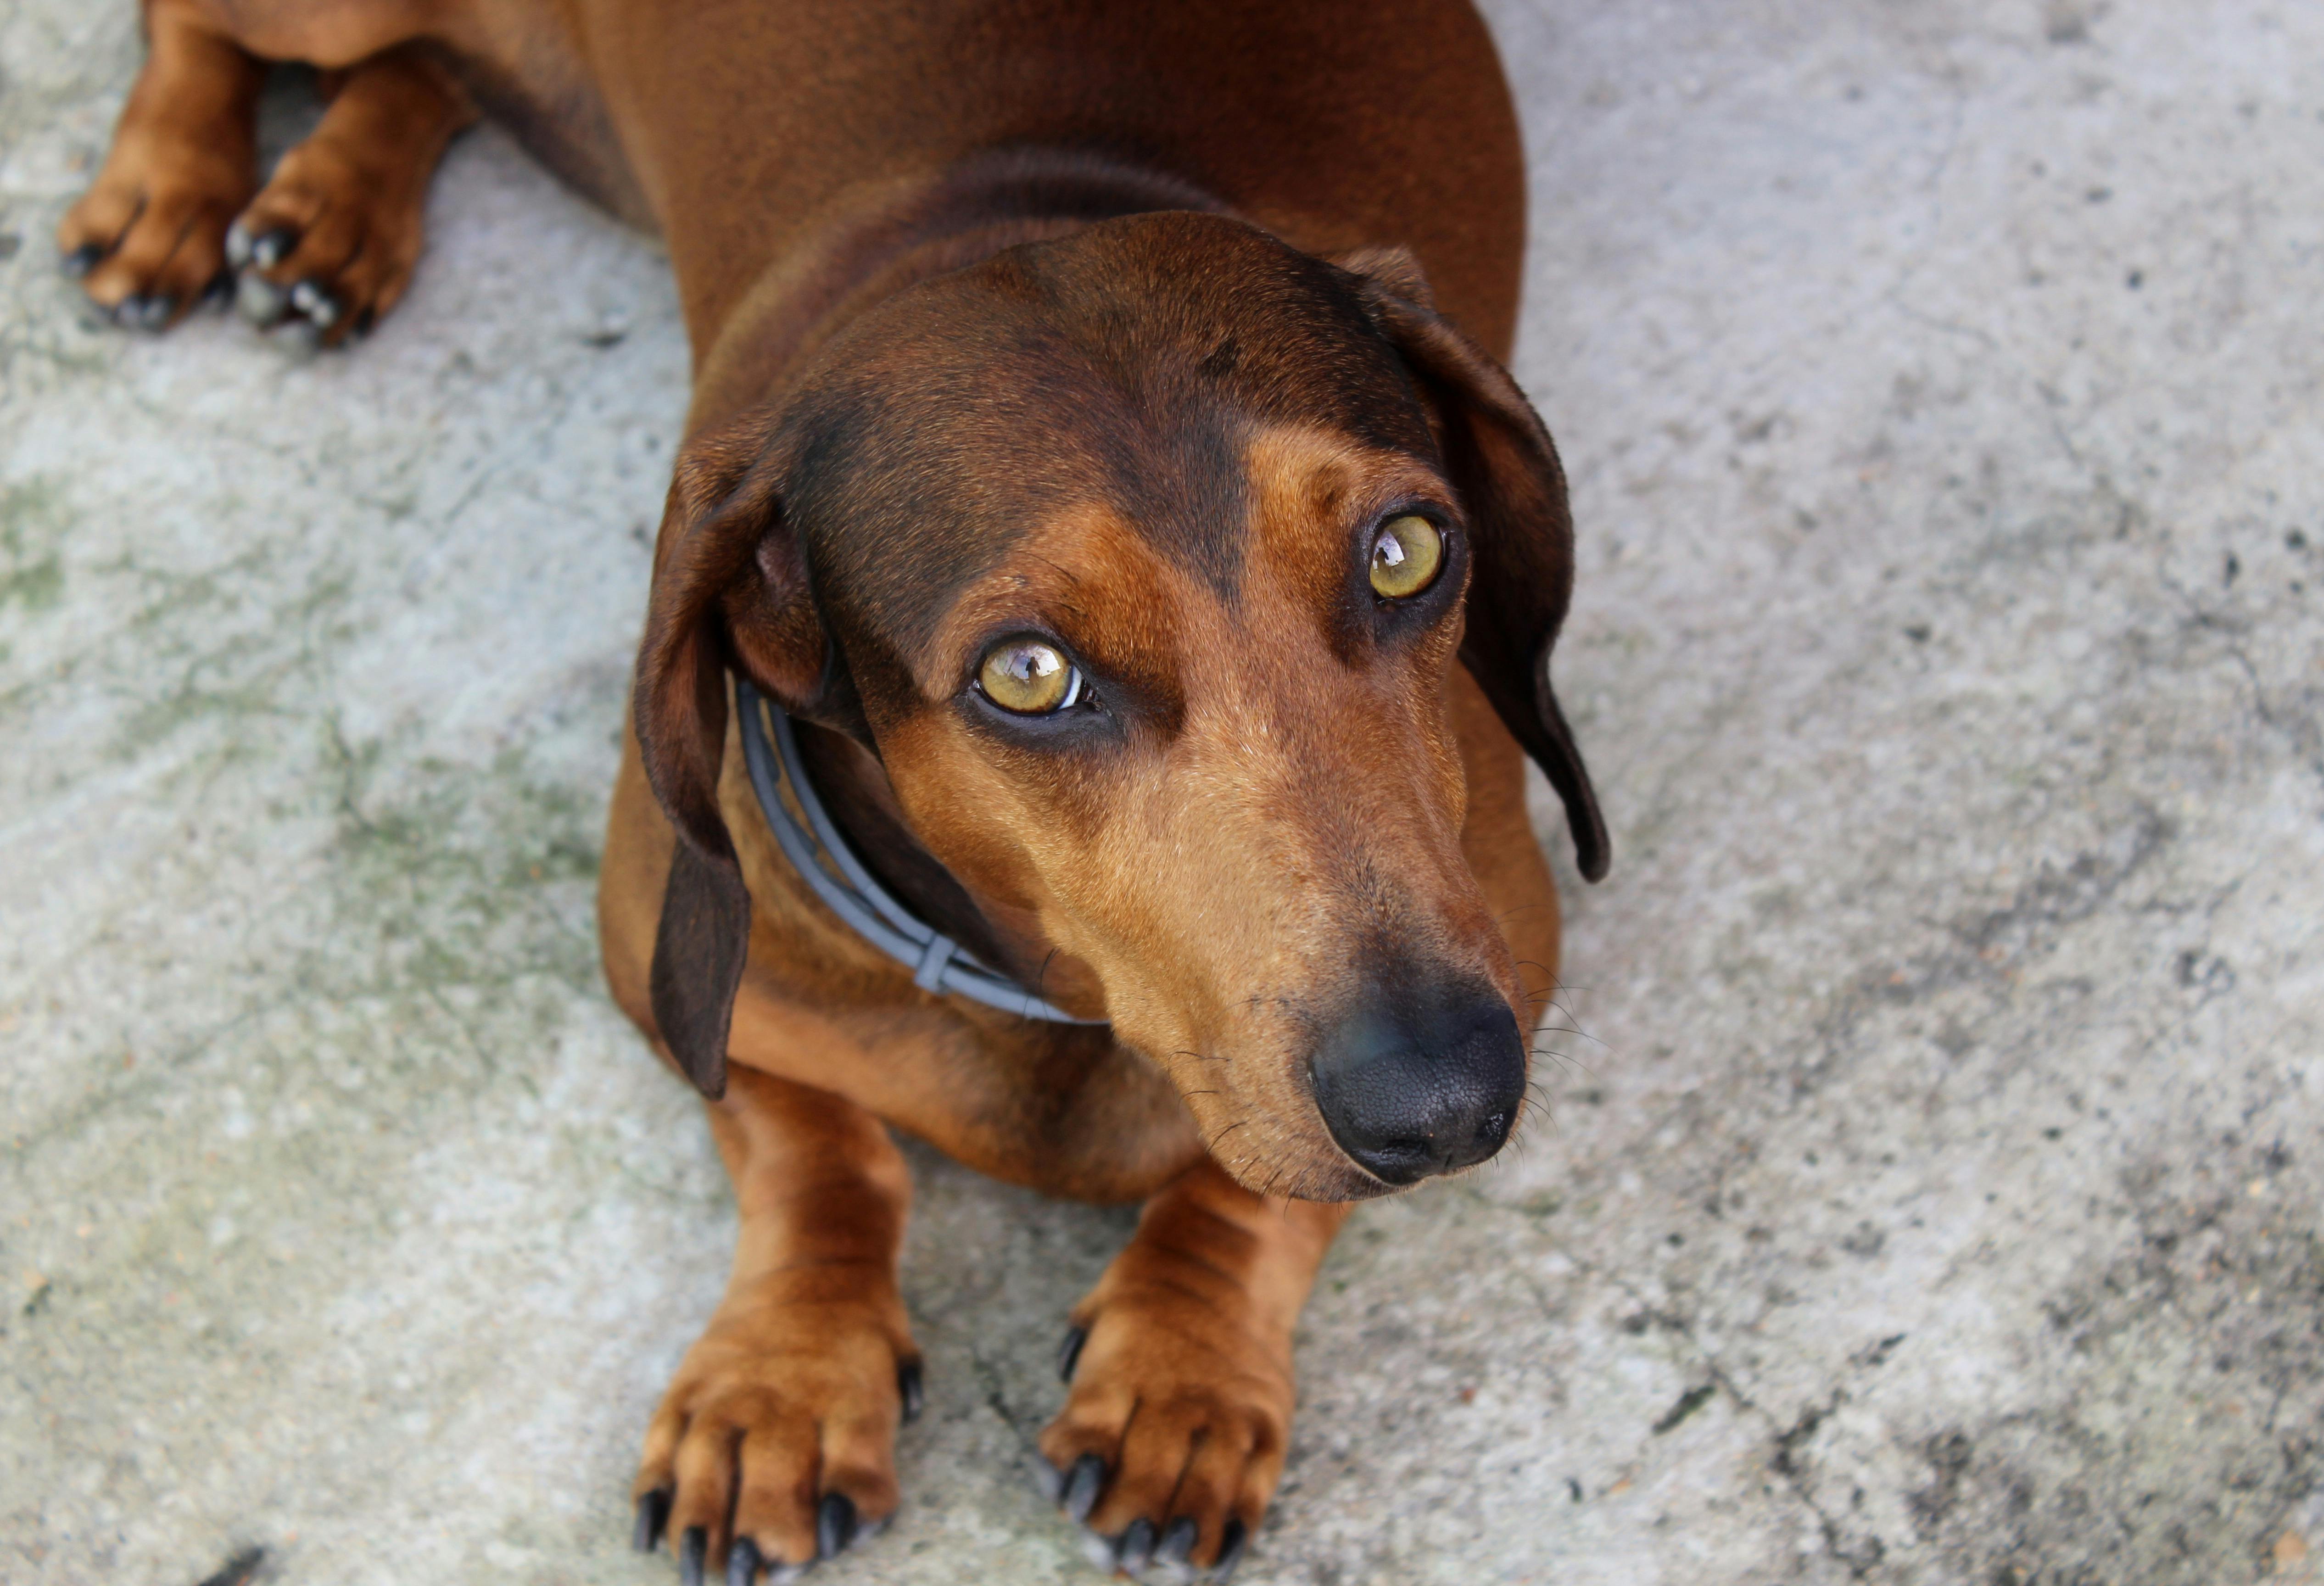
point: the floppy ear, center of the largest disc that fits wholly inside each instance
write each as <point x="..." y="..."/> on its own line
<point x="1505" y="466"/>
<point x="730" y="590"/>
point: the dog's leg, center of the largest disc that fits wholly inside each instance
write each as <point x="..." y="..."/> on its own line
<point x="783" y="1415"/>
<point x="148" y="238"/>
<point x="1174" y="1434"/>
<point x="334" y="235"/>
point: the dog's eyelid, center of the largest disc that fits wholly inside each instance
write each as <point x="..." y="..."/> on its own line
<point x="980" y="648"/>
<point x="1439" y="514"/>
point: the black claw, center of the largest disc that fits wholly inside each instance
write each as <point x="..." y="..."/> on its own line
<point x="1082" y="1484"/>
<point x="1178" y="1541"/>
<point x="1069" y="1352"/>
<point x="911" y="1389"/>
<point x="80" y="260"/>
<point x="1136" y="1547"/>
<point x="743" y="1561"/>
<point x="1229" y="1553"/>
<point x="834" y="1525"/>
<point x="653" y="1519"/>
<point x="220" y="290"/>
<point x="693" y="1552"/>
<point x="364" y="322"/>
<point x="274" y="248"/>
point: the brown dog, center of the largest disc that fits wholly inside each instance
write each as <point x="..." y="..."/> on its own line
<point x="1084" y="454"/>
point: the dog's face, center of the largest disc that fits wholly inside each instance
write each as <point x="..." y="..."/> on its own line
<point x="1143" y="560"/>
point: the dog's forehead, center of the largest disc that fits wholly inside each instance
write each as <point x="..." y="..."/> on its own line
<point x="1125" y="368"/>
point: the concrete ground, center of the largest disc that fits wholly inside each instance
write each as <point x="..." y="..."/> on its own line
<point x="1932" y="1195"/>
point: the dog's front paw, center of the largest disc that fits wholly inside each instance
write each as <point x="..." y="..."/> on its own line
<point x="332" y="239"/>
<point x="148" y="241"/>
<point x="782" y="1417"/>
<point x="1173" y="1438"/>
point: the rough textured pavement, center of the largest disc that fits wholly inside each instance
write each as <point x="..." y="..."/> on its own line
<point x="1930" y="1195"/>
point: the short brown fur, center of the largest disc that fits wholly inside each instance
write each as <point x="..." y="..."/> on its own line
<point x="1120" y="322"/>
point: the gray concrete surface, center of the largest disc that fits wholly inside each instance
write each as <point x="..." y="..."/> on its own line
<point x="1932" y="1198"/>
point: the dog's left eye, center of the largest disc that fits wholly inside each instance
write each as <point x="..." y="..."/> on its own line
<point x="1029" y="677"/>
<point x="1406" y="556"/>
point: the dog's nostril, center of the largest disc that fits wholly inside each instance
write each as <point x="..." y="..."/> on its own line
<point x="1421" y="1085"/>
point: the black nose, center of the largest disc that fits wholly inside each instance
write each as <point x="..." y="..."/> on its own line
<point x="1412" y="1084"/>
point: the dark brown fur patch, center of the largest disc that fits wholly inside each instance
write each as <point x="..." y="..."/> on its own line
<point x="1125" y="367"/>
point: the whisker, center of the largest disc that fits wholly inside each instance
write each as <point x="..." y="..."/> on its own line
<point x="1569" y="1061"/>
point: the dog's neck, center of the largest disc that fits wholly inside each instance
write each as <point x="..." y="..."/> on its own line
<point x="881" y="243"/>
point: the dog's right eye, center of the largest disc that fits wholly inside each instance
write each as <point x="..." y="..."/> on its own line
<point x="1029" y="677"/>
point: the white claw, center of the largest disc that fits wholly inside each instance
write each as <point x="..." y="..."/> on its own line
<point x="315" y="303"/>
<point x="258" y="300"/>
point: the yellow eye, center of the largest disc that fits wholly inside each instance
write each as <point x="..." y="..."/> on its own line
<point x="1029" y="677"/>
<point x="1406" y="557"/>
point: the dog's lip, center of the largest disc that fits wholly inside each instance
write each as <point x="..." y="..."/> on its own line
<point x="1358" y="1185"/>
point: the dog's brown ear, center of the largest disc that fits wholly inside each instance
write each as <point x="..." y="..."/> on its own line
<point x="1506" y="468"/>
<point x="730" y="590"/>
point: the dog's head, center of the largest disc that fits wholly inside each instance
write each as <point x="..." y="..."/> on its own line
<point x="1142" y="560"/>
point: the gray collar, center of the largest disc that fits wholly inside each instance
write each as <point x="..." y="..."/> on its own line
<point x="818" y="849"/>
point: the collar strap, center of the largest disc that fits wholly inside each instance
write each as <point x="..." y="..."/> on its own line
<point x="819" y="852"/>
